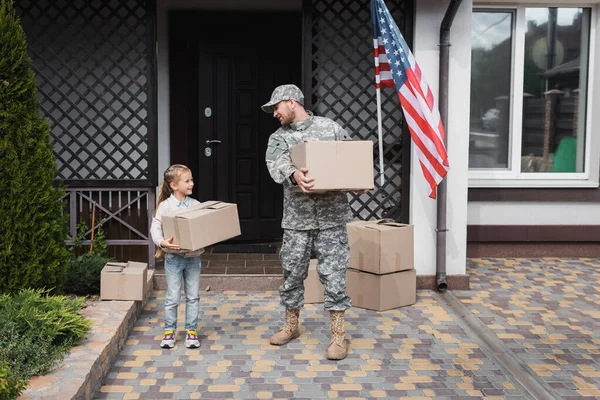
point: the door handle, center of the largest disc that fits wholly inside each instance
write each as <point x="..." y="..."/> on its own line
<point x="213" y="141"/>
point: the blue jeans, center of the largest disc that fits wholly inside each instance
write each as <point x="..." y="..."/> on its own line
<point x="177" y="270"/>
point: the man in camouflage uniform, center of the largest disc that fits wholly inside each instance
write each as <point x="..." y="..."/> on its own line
<point x="311" y="221"/>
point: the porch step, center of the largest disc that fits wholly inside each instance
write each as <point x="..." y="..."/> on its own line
<point x="236" y="264"/>
<point x="222" y="282"/>
<point x="257" y="272"/>
<point x="264" y="282"/>
<point x="233" y="271"/>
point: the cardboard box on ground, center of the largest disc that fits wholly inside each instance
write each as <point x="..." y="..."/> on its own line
<point x="382" y="292"/>
<point x="202" y="225"/>
<point x="380" y="247"/>
<point x="381" y="274"/>
<point x="125" y="281"/>
<point x="341" y="165"/>
<point x="370" y="291"/>
<point x="313" y="289"/>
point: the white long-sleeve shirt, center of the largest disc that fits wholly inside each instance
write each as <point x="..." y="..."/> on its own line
<point x="156" y="231"/>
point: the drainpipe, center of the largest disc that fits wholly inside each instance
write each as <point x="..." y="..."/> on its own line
<point x="441" y="230"/>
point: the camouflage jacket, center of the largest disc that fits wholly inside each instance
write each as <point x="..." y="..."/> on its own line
<point x="302" y="211"/>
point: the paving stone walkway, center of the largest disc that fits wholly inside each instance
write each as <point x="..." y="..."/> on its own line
<point x="547" y="311"/>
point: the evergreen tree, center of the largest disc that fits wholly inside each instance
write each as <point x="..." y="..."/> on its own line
<point x="32" y="229"/>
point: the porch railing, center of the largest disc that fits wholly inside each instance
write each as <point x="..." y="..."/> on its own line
<point x="125" y="215"/>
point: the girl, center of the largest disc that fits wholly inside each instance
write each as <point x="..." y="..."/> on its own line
<point x="174" y="193"/>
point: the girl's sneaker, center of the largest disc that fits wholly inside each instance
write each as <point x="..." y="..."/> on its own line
<point x="168" y="341"/>
<point x="191" y="341"/>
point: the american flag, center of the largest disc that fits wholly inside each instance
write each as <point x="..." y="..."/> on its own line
<point x="396" y="67"/>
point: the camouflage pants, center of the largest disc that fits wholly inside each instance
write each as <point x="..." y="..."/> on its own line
<point x="331" y="248"/>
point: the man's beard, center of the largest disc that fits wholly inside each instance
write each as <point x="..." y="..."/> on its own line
<point x="289" y="119"/>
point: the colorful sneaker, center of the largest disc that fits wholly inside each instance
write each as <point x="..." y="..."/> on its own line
<point x="192" y="342"/>
<point x="168" y="341"/>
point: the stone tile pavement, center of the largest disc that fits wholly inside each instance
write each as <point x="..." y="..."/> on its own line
<point x="546" y="311"/>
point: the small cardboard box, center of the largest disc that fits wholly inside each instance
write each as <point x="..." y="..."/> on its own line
<point x="344" y="165"/>
<point x="202" y="225"/>
<point x="380" y="247"/>
<point x="382" y="292"/>
<point x="313" y="288"/>
<point x="124" y="281"/>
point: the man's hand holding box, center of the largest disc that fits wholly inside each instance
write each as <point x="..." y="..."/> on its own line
<point x="334" y="165"/>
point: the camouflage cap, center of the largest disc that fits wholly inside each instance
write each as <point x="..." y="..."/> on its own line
<point x="281" y="93"/>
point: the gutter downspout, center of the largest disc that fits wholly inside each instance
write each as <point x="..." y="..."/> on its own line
<point x="441" y="230"/>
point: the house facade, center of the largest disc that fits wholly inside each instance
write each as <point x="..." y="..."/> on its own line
<point x="131" y="87"/>
<point x="534" y="154"/>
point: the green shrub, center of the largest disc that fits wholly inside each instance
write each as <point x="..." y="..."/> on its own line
<point x="83" y="270"/>
<point x="10" y="386"/>
<point x="57" y="317"/>
<point x="98" y="246"/>
<point x="37" y="331"/>
<point x="83" y="274"/>
<point x="29" y="355"/>
<point x="32" y="227"/>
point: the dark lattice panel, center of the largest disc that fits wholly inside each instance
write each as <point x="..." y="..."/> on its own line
<point x="90" y="61"/>
<point x="343" y="88"/>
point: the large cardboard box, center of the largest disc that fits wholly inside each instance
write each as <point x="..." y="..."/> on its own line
<point x="382" y="292"/>
<point x="124" y="281"/>
<point x="344" y="165"/>
<point x="380" y="247"/>
<point x="313" y="288"/>
<point x="202" y="225"/>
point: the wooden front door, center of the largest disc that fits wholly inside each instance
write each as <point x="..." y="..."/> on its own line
<point x="240" y="58"/>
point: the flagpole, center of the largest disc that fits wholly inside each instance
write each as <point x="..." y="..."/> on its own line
<point x="380" y="137"/>
<point x="378" y="91"/>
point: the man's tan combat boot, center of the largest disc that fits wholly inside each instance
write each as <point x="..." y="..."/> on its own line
<point x="338" y="347"/>
<point x="290" y="329"/>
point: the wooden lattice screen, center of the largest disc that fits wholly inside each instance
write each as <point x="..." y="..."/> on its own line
<point x="124" y="214"/>
<point x="93" y="62"/>
<point x="338" y="81"/>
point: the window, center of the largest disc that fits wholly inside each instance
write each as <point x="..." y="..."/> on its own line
<point x="491" y="72"/>
<point x="529" y="96"/>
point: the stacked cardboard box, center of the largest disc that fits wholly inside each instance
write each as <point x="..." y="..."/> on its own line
<point x="313" y="288"/>
<point x="381" y="274"/>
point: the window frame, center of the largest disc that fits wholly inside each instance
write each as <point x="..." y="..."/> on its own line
<point x="512" y="176"/>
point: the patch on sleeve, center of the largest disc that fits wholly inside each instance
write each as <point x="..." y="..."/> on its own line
<point x="276" y="147"/>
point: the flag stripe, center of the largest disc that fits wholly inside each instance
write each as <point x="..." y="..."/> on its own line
<point x="420" y="138"/>
<point x="432" y="182"/>
<point x="435" y="136"/>
<point x="382" y="66"/>
<point x="421" y="112"/>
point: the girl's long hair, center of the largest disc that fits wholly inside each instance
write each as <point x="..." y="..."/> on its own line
<point x="172" y="174"/>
